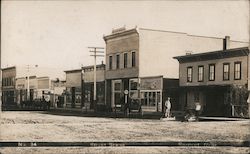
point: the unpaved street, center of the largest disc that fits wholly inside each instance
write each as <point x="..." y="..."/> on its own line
<point x="39" y="126"/>
<point x="36" y="126"/>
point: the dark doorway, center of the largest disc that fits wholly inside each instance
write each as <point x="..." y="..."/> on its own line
<point x="215" y="105"/>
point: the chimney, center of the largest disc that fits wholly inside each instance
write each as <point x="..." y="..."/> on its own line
<point x="226" y="43"/>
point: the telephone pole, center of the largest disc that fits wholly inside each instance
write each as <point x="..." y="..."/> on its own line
<point x="97" y="52"/>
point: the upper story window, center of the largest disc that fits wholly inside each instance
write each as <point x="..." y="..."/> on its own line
<point x="211" y="73"/>
<point x="117" y="61"/>
<point x="237" y="70"/>
<point x="226" y="69"/>
<point x="125" y="58"/>
<point x="189" y="74"/>
<point x="200" y="73"/>
<point x="110" y="62"/>
<point x="133" y="59"/>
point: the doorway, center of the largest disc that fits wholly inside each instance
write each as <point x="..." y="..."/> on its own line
<point x="116" y="93"/>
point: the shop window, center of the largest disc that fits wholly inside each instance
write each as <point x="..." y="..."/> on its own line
<point x="125" y="60"/>
<point x="189" y="74"/>
<point x="211" y="72"/>
<point x="200" y="73"/>
<point x="117" y="86"/>
<point x="226" y="69"/>
<point x="237" y="70"/>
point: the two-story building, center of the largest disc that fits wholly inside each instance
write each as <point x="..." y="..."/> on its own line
<point x="218" y="80"/>
<point x="140" y="60"/>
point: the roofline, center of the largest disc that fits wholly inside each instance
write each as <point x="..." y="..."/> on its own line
<point x="11" y="67"/>
<point x="122" y="33"/>
<point x="74" y="70"/>
<point x="158" y="30"/>
<point x="42" y="77"/>
<point x="215" y="38"/>
<point x="206" y="53"/>
<point x="92" y="66"/>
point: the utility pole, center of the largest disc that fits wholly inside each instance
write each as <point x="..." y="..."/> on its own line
<point x="28" y="82"/>
<point x="95" y="52"/>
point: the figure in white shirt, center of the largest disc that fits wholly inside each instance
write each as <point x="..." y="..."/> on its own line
<point x="168" y="107"/>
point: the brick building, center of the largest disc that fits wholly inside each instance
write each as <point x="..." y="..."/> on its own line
<point x="217" y="80"/>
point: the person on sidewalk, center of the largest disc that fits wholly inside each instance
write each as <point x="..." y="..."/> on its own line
<point x="197" y="110"/>
<point x="168" y="107"/>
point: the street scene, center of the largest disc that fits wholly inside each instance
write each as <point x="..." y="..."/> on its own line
<point x="129" y="77"/>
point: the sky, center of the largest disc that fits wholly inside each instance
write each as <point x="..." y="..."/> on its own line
<point x="56" y="34"/>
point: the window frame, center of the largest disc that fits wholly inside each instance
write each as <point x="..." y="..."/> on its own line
<point x="223" y="73"/>
<point x="209" y="70"/>
<point x="201" y="66"/>
<point x="133" y="59"/>
<point x="125" y="61"/>
<point x="110" y="62"/>
<point x="235" y="63"/>
<point x="117" y="62"/>
<point x="191" y="78"/>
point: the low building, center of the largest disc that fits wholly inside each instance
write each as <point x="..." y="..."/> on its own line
<point x="88" y="86"/>
<point x="73" y="88"/>
<point x="58" y="89"/>
<point x="80" y="87"/>
<point x="217" y="80"/>
<point x="25" y="84"/>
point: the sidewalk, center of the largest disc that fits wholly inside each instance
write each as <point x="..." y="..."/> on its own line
<point x="91" y="113"/>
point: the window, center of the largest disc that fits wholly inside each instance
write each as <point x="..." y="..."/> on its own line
<point x="211" y="72"/>
<point x="125" y="60"/>
<point x="226" y="69"/>
<point x="237" y="70"/>
<point x="117" y="86"/>
<point x="117" y="61"/>
<point x="133" y="59"/>
<point x="200" y="73"/>
<point x="133" y="84"/>
<point x="189" y="74"/>
<point x="110" y="62"/>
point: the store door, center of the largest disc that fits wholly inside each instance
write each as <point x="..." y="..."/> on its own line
<point x="116" y="93"/>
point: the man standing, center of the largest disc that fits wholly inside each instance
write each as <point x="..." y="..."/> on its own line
<point x="168" y="107"/>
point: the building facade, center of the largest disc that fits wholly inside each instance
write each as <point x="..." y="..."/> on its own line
<point x="217" y="80"/>
<point x="8" y="87"/>
<point x="73" y="88"/>
<point x="24" y="84"/>
<point x="80" y="87"/>
<point x="135" y="55"/>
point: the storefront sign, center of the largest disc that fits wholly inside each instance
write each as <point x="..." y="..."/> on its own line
<point x="152" y="83"/>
